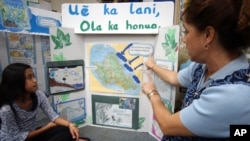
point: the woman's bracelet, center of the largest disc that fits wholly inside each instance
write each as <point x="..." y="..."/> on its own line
<point x="153" y="92"/>
<point x="150" y="92"/>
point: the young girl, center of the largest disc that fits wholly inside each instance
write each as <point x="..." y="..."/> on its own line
<point x="19" y="104"/>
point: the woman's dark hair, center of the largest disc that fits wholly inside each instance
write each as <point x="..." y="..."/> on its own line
<point x="12" y="85"/>
<point x="230" y="19"/>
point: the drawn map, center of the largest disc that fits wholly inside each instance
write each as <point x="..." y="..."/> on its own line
<point x="116" y="68"/>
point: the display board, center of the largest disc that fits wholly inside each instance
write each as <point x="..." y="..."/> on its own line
<point x="114" y="67"/>
<point x="114" y="62"/>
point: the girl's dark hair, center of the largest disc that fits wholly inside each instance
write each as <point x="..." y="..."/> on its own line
<point x="230" y="19"/>
<point x="12" y="85"/>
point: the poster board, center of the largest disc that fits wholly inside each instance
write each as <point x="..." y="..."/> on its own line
<point x="114" y="62"/>
<point x="109" y="48"/>
<point x="79" y="50"/>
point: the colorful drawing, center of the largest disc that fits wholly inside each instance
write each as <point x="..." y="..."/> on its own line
<point x="73" y="110"/>
<point x="141" y="122"/>
<point x="61" y="40"/>
<point x="21" y="48"/>
<point x="65" y="76"/>
<point x="111" y="114"/>
<point x="14" y="14"/>
<point x="170" y="44"/>
<point x="59" y="57"/>
<point x="115" y="111"/>
<point x="115" y="69"/>
<point x="127" y="103"/>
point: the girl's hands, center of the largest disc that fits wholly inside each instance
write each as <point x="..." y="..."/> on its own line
<point x="74" y="131"/>
<point x="51" y="125"/>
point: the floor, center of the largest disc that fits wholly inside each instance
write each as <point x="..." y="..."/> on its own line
<point x="107" y="134"/>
